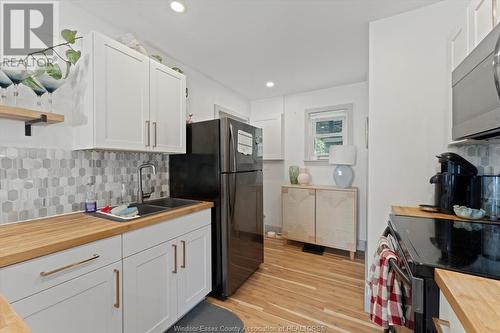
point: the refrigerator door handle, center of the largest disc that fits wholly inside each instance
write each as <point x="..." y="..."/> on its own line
<point x="233" y="151"/>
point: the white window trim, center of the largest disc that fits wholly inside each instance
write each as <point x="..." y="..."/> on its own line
<point x="344" y="109"/>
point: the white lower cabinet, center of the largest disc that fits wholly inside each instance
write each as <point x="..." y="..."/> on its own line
<point x="448" y="319"/>
<point x="195" y="273"/>
<point x="89" y="303"/>
<point x="163" y="283"/>
<point x="150" y="289"/>
<point x="167" y="270"/>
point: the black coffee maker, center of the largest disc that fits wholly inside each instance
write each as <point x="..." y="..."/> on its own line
<point x="456" y="184"/>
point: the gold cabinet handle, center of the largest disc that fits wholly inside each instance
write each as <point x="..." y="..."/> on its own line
<point x="175" y="258"/>
<point x="183" y="254"/>
<point x="148" y="133"/>
<point x="94" y="257"/>
<point x="117" y="301"/>
<point x="155" y="129"/>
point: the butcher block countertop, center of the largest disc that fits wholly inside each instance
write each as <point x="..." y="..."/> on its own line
<point x="417" y="212"/>
<point x="10" y="322"/>
<point x="27" y="240"/>
<point x="475" y="300"/>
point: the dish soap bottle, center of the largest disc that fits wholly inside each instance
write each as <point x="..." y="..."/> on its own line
<point x="90" y="200"/>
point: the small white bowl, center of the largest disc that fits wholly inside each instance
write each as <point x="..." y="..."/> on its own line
<point x="469" y="213"/>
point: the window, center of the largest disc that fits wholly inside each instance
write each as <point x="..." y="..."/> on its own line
<point x="326" y="127"/>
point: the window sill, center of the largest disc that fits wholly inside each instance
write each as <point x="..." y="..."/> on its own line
<point x="320" y="162"/>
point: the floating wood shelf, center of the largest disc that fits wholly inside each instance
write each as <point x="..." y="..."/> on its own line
<point x="29" y="117"/>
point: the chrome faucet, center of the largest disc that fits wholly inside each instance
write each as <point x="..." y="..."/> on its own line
<point x="140" y="193"/>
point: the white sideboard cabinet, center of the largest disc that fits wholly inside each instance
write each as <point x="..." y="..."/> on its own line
<point x="321" y="215"/>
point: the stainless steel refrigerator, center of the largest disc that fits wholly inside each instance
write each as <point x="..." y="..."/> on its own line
<point x="223" y="164"/>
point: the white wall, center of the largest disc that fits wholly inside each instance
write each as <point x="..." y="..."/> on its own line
<point x="321" y="172"/>
<point x="203" y="91"/>
<point x="409" y="89"/>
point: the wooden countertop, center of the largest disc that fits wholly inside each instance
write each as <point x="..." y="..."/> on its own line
<point x="27" y="240"/>
<point x="475" y="300"/>
<point x="417" y="212"/>
<point x="10" y="321"/>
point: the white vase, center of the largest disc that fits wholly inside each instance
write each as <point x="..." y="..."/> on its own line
<point x="303" y="177"/>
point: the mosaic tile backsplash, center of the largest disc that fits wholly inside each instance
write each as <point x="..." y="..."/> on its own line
<point x="485" y="157"/>
<point x="43" y="182"/>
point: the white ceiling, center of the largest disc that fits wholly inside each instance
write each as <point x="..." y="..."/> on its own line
<point x="301" y="45"/>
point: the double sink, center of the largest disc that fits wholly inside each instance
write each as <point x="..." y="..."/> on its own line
<point x="155" y="206"/>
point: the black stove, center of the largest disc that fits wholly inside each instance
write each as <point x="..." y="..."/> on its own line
<point x="425" y="244"/>
<point x="467" y="247"/>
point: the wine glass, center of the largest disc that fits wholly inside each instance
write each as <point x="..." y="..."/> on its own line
<point x="16" y="76"/>
<point x="37" y="88"/>
<point x="5" y="82"/>
<point x="50" y="84"/>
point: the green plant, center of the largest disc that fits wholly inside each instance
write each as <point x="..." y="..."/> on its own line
<point x="53" y="69"/>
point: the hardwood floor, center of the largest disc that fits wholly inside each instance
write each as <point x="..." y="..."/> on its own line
<point x="293" y="288"/>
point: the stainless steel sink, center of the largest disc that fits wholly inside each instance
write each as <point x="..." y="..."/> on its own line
<point x="147" y="209"/>
<point x="152" y="207"/>
<point x="171" y="202"/>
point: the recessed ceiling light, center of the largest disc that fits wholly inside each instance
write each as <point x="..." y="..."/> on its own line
<point x="270" y="84"/>
<point x="177" y="6"/>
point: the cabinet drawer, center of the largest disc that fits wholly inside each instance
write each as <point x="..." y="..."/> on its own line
<point x="145" y="238"/>
<point x="27" y="278"/>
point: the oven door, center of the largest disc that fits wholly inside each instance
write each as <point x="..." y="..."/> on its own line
<point x="425" y="293"/>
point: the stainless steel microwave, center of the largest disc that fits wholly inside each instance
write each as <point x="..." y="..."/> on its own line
<point x="476" y="91"/>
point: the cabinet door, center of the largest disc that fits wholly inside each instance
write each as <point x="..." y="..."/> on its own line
<point x="121" y="96"/>
<point x="446" y="313"/>
<point x="195" y="268"/>
<point x="168" y="109"/>
<point x="150" y="289"/>
<point x="481" y="20"/>
<point x="459" y="47"/>
<point x="89" y="303"/>
<point x="298" y="214"/>
<point x="272" y="131"/>
<point x="336" y="219"/>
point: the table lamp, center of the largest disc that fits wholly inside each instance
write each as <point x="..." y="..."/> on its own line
<point x="343" y="157"/>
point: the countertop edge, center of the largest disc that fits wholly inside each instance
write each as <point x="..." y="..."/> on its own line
<point x="459" y="311"/>
<point x="114" y="230"/>
<point x="10" y="321"/>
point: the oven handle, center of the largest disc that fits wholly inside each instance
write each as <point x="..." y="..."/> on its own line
<point x="416" y="284"/>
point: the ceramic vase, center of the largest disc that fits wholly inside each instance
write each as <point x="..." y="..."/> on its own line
<point x="303" y="177"/>
<point x="293" y="172"/>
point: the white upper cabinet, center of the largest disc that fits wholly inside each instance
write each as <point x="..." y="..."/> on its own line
<point x="168" y="89"/>
<point x="459" y="42"/>
<point x="268" y="115"/>
<point x="481" y="20"/>
<point x="272" y="132"/>
<point x="121" y="95"/>
<point x="129" y="101"/>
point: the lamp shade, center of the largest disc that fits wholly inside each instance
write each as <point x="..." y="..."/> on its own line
<point x="342" y="155"/>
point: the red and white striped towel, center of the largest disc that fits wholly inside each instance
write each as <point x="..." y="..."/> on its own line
<point x="386" y="301"/>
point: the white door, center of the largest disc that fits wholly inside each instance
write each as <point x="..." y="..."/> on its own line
<point x="121" y="96"/>
<point x="195" y="267"/>
<point x="150" y="289"/>
<point x="481" y="20"/>
<point x="299" y="214"/>
<point x="168" y="109"/>
<point x="89" y="303"/>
